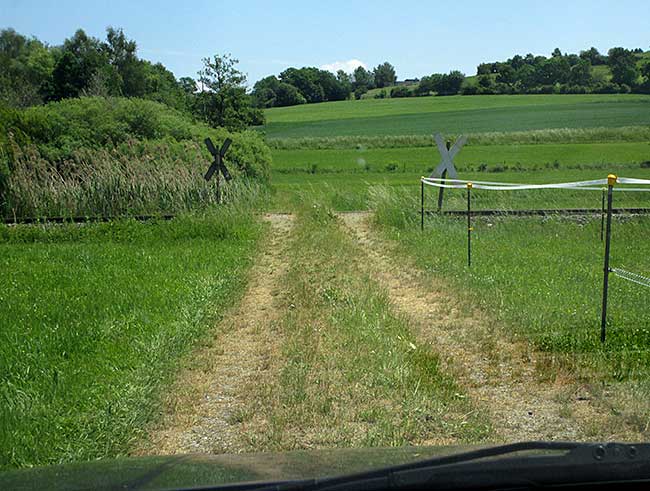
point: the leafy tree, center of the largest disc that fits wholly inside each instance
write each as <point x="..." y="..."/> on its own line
<point x="305" y="81"/>
<point x="506" y="74"/>
<point x="80" y="60"/>
<point x="622" y="63"/>
<point x="484" y="69"/>
<point x="288" y="95"/>
<point x="122" y="57"/>
<point x="223" y="100"/>
<point x="594" y="57"/>
<point x="363" y="78"/>
<point x="427" y="84"/>
<point x="580" y="73"/>
<point x="345" y="79"/>
<point x="187" y="85"/>
<point x="450" y="84"/>
<point x="25" y="69"/>
<point x="384" y="75"/>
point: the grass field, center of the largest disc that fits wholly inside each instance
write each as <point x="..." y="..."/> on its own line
<point x="94" y="319"/>
<point x="492" y="158"/>
<point x="457" y="114"/>
<point x="543" y="278"/>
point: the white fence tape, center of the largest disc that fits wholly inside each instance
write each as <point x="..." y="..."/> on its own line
<point x="594" y="185"/>
<point x="633" y="277"/>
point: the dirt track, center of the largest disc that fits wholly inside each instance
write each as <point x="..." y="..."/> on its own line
<point x="203" y="410"/>
<point x="498" y="374"/>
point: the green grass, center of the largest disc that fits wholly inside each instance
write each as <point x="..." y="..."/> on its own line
<point x="542" y="277"/>
<point x="414" y="159"/>
<point x="351" y="191"/>
<point x="559" y="136"/>
<point x="94" y="320"/>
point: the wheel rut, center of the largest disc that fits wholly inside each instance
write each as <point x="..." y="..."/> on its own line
<point x="204" y="410"/>
<point x="499" y="374"/>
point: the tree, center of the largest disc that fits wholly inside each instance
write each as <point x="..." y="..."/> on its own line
<point x="363" y="79"/>
<point x="223" y="100"/>
<point x="384" y="75"/>
<point x="450" y="84"/>
<point x="580" y="73"/>
<point x="265" y="91"/>
<point x="506" y="74"/>
<point x="121" y="54"/>
<point x="622" y="63"/>
<point x="345" y="79"/>
<point x="594" y="57"/>
<point x="428" y="84"/>
<point x="288" y="95"/>
<point x="80" y="60"/>
<point x="25" y="69"/>
<point x="306" y="81"/>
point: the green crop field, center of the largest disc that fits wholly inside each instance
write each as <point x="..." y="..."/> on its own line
<point x="457" y="114"/>
<point x="94" y="320"/>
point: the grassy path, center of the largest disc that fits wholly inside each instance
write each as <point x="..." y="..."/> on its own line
<point x="505" y="378"/>
<point x="204" y="410"/>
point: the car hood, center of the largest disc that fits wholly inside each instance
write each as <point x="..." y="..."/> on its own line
<point x="196" y="470"/>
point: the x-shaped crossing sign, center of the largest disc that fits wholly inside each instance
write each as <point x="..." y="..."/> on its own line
<point x="218" y="164"/>
<point x="447" y="155"/>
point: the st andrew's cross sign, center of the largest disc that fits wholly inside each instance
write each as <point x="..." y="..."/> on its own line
<point x="446" y="167"/>
<point x="218" y="164"/>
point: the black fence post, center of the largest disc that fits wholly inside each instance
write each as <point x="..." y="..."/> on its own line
<point x="602" y="214"/>
<point x="421" y="203"/>
<point x="469" y="224"/>
<point x="611" y="180"/>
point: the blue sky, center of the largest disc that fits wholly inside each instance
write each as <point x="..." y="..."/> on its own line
<point x="418" y="38"/>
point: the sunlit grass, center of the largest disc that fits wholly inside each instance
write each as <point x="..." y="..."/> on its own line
<point x="94" y="319"/>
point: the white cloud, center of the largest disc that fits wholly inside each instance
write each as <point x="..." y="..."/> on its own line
<point x="347" y="66"/>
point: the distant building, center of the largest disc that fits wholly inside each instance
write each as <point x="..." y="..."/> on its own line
<point x="408" y="81"/>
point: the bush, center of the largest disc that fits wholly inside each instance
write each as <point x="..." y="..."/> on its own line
<point x="400" y="91"/>
<point x="48" y="149"/>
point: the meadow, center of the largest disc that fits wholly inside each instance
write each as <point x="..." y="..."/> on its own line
<point x="95" y="318"/>
<point x="540" y="276"/>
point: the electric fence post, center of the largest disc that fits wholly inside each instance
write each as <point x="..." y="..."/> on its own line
<point x="469" y="224"/>
<point x="602" y="213"/>
<point x="422" y="203"/>
<point x="611" y="181"/>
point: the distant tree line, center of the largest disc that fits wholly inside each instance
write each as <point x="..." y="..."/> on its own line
<point x="564" y="73"/>
<point x="309" y="84"/>
<point x="33" y="73"/>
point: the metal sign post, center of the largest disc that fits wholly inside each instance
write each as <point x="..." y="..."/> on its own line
<point x="611" y="180"/>
<point x="446" y="167"/>
<point x="218" y="165"/>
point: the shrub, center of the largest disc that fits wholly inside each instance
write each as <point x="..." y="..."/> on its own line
<point x="400" y="91"/>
